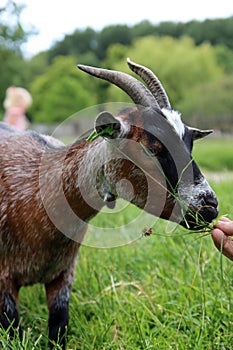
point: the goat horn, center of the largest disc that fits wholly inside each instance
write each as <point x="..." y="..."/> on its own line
<point x="133" y="87"/>
<point x="152" y="82"/>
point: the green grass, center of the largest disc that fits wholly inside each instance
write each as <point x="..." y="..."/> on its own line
<point x="167" y="291"/>
<point x="214" y="154"/>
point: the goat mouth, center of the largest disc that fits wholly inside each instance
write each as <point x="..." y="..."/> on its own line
<point x="198" y="220"/>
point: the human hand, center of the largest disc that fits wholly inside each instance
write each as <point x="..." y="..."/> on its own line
<point x="221" y="236"/>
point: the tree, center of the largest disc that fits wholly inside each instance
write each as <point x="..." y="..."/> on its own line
<point x="61" y="91"/>
<point x="12" y="34"/>
<point x="172" y="29"/>
<point x="82" y="44"/>
<point x="210" y="105"/>
<point x="179" y="64"/>
<point x="224" y="58"/>
<point x="143" y="28"/>
<point x="13" y="68"/>
<point x="115" y="34"/>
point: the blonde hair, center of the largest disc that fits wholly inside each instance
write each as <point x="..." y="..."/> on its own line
<point x="17" y="97"/>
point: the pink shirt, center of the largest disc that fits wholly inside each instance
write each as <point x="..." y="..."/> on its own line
<point x="15" y="116"/>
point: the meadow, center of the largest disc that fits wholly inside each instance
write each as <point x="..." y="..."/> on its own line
<point x="170" y="290"/>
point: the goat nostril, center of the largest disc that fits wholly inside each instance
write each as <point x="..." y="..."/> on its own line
<point x="211" y="201"/>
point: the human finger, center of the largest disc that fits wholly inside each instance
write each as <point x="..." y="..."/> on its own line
<point x="223" y="243"/>
<point x="225" y="226"/>
<point x="224" y="218"/>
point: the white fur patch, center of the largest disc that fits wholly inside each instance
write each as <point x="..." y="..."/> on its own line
<point x="174" y="119"/>
<point x="125" y="128"/>
<point x="193" y="194"/>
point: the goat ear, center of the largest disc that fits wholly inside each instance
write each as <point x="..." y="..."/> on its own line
<point x="199" y="134"/>
<point x="107" y="125"/>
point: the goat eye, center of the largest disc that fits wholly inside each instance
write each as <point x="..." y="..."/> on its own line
<point x="150" y="152"/>
<point x="154" y="151"/>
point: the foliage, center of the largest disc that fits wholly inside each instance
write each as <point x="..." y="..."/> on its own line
<point x="192" y="78"/>
<point x="86" y="41"/>
<point x="189" y="67"/>
<point x="210" y="105"/>
<point x="82" y="44"/>
<point x="38" y="65"/>
<point x="143" y="28"/>
<point x="224" y="58"/>
<point x="216" y="32"/>
<point x="13" y="67"/>
<point x="12" y="34"/>
<point x="111" y="35"/>
<point x="13" y="71"/>
<point x="61" y="91"/>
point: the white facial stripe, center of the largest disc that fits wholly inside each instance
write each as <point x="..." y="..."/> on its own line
<point x="175" y="120"/>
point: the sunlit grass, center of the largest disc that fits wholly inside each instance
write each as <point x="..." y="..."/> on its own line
<point x="159" y="292"/>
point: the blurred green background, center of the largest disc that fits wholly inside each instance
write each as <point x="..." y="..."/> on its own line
<point x="194" y="61"/>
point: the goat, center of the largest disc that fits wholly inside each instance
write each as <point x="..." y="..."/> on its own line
<point x="50" y="191"/>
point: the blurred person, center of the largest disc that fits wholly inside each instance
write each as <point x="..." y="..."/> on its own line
<point x="16" y="103"/>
